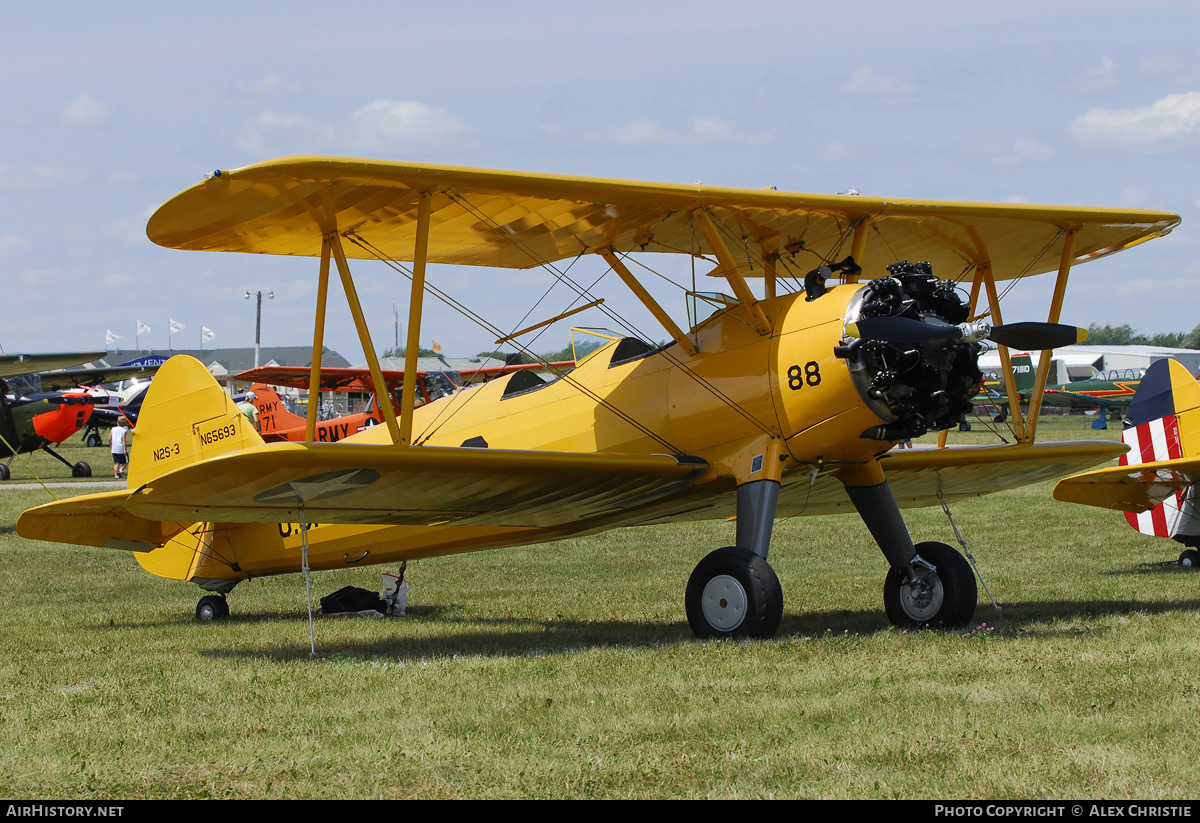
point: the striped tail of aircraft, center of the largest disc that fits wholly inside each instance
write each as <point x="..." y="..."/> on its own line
<point x="1154" y="483"/>
<point x="1153" y="434"/>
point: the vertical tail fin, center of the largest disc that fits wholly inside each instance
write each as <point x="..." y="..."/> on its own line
<point x="185" y="417"/>
<point x="1022" y="369"/>
<point x="1164" y="424"/>
<point x="273" y="416"/>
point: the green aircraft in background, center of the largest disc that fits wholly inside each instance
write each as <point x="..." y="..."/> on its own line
<point x="1110" y="392"/>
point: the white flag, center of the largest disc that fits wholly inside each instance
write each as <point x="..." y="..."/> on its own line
<point x="110" y="338"/>
<point x="206" y="334"/>
<point x="142" y="328"/>
<point x="176" y="326"/>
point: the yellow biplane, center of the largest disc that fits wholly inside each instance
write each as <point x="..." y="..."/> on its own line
<point x="782" y="402"/>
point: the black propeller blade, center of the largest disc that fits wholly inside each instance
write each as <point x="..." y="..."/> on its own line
<point x="1037" y="336"/>
<point x="907" y="331"/>
<point x="901" y="330"/>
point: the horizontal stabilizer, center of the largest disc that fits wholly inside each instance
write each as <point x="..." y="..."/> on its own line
<point x="99" y="520"/>
<point x="1132" y="488"/>
<point x="425" y="485"/>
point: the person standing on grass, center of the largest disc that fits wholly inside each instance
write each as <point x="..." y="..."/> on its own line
<point x="248" y="408"/>
<point x="116" y="439"/>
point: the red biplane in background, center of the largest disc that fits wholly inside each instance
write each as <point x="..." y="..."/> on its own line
<point x="276" y="422"/>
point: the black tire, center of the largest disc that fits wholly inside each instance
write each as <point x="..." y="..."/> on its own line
<point x="944" y="598"/>
<point x="4" y="472"/>
<point x="1189" y="559"/>
<point x="734" y="593"/>
<point x="81" y="469"/>
<point x="998" y="418"/>
<point x="212" y="607"/>
<point x="964" y="426"/>
<point x="94" y="440"/>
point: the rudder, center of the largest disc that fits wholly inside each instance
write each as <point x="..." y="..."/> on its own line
<point x="186" y="417"/>
<point x="1163" y="423"/>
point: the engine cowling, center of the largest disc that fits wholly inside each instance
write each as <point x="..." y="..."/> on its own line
<point x="912" y="387"/>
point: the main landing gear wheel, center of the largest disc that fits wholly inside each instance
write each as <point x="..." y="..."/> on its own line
<point x="212" y="607"/>
<point x="734" y="593"/>
<point x="964" y="426"/>
<point x="4" y="472"/>
<point x="944" y="598"/>
<point x="94" y="440"/>
<point x="81" y="469"/>
<point x="1189" y="559"/>
<point x="998" y="418"/>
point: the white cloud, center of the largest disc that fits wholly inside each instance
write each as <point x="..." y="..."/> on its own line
<point x="864" y="80"/>
<point x="1133" y="197"/>
<point x="38" y="177"/>
<point x="386" y="126"/>
<point x="130" y="230"/>
<point x="1171" y="122"/>
<point x="1095" y="79"/>
<point x="83" y="112"/>
<point x="12" y="243"/>
<point x="391" y="124"/>
<point x="703" y="130"/>
<point x="268" y="85"/>
<point x="120" y="177"/>
<point x="1005" y="152"/>
<point x="835" y="152"/>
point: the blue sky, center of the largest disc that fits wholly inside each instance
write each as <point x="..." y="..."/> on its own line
<point x="105" y="112"/>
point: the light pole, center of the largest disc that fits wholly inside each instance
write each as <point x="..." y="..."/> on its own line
<point x="258" y="323"/>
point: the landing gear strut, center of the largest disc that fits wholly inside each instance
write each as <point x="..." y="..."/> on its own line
<point x="929" y="584"/>
<point x="734" y="592"/>
<point x="940" y="592"/>
<point x="79" y="469"/>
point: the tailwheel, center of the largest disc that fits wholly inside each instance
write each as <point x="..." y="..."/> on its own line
<point x="81" y="469"/>
<point x="941" y="597"/>
<point x="1189" y="559"/>
<point x="734" y="593"/>
<point x="212" y="607"/>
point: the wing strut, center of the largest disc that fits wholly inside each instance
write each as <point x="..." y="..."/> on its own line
<point x="729" y="270"/>
<point x="420" y="254"/>
<point x="1043" y="369"/>
<point x="1010" y="383"/>
<point x="314" y="377"/>
<point x="649" y="302"/>
<point x="364" y="334"/>
<point x="857" y="244"/>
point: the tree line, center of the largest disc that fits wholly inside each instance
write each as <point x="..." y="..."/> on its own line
<point x="1125" y="336"/>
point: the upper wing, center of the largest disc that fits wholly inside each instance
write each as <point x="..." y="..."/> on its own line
<point x="13" y="365"/>
<point x="355" y="483"/>
<point x="65" y="378"/>
<point x="332" y="379"/>
<point x="518" y="220"/>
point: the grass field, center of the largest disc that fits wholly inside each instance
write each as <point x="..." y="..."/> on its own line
<point x="567" y="670"/>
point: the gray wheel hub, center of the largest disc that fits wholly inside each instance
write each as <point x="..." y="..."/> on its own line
<point x="922" y="598"/>
<point x="724" y="602"/>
